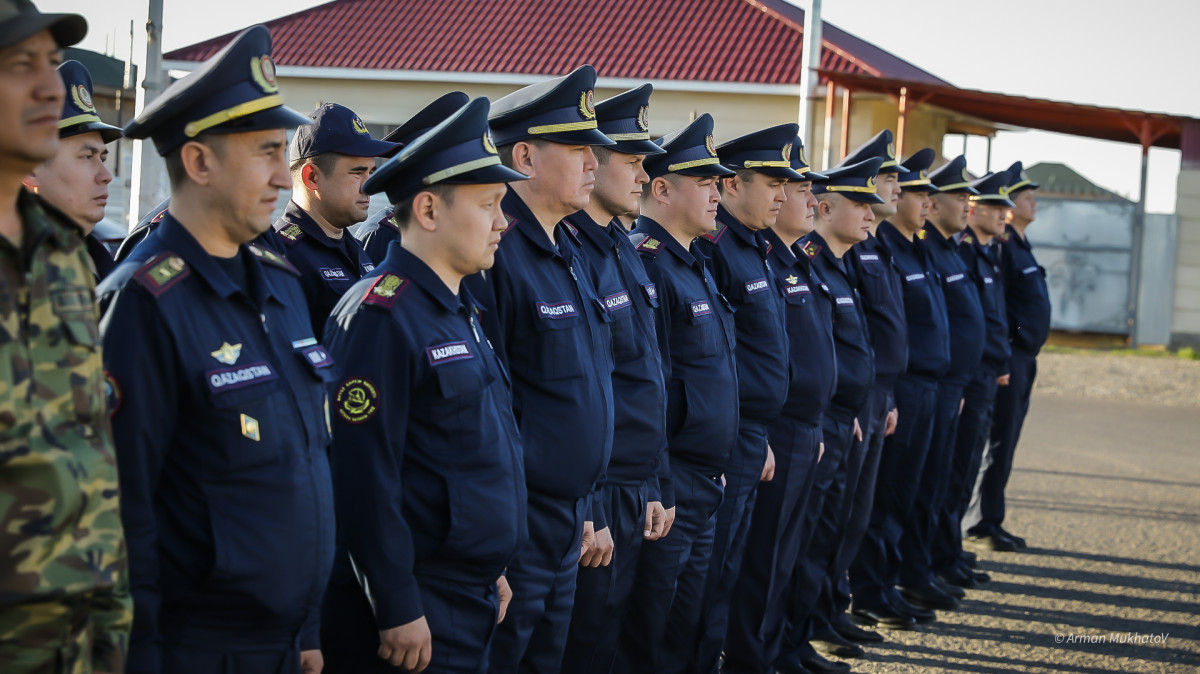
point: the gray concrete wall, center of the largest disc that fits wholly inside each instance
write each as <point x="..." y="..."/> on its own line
<point x="1185" y="323"/>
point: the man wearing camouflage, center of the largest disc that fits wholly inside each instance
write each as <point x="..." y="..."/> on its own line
<point x="64" y="600"/>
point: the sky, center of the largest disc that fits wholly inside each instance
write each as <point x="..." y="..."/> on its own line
<point x="1099" y="52"/>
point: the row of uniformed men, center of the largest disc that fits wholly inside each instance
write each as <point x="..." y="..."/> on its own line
<point x="414" y="581"/>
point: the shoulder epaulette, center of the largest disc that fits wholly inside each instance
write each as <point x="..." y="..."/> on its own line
<point x="509" y="227"/>
<point x="384" y="290"/>
<point x="162" y="272"/>
<point x="291" y="234"/>
<point x="646" y="244"/>
<point x="273" y="259"/>
<point x="811" y="248"/>
<point x="715" y="233"/>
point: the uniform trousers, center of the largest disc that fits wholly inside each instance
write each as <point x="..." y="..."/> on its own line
<point x="973" y="426"/>
<point x="602" y="592"/>
<point x="758" y="609"/>
<point x="916" y="564"/>
<point x="743" y="478"/>
<point x="660" y="629"/>
<point x="873" y="573"/>
<point x="986" y="511"/>
<point x="542" y="576"/>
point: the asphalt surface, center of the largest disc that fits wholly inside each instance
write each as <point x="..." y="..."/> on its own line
<point x="1108" y="495"/>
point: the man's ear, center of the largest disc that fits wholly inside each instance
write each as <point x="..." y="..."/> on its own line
<point x="524" y="157"/>
<point x="424" y="207"/>
<point x="662" y="190"/>
<point x="309" y="175"/>
<point x="198" y="162"/>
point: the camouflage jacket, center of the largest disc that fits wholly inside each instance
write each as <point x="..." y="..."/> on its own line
<point x="60" y="530"/>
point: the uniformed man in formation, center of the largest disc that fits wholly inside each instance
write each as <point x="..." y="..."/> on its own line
<point x="549" y="444"/>
<point x="64" y="577"/>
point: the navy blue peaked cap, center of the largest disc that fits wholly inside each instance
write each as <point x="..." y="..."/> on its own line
<point x="856" y="182"/>
<point x="458" y="151"/>
<point x="625" y="119"/>
<point x="882" y="144"/>
<point x="800" y="162"/>
<point x="335" y="128"/>
<point x="952" y="177"/>
<point x="21" y="19"/>
<point x="560" y="110"/>
<point x="428" y="117"/>
<point x="916" y="176"/>
<point x="690" y="151"/>
<point x="767" y="151"/>
<point x="79" y="112"/>
<point x="1019" y="180"/>
<point x="993" y="188"/>
<point x="233" y="92"/>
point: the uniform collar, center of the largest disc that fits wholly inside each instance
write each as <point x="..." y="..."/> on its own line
<point x="891" y="236"/>
<point x="36" y="216"/>
<point x="589" y="229"/>
<point x="1013" y="235"/>
<point x="179" y="241"/>
<point x="526" y="223"/>
<point x="401" y="261"/>
<point x="651" y="227"/>
<point x="786" y="256"/>
<point x="295" y="215"/>
<point x="734" y="225"/>
<point x="933" y="234"/>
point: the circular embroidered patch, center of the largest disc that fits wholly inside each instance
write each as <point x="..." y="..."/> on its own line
<point x="112" y="393"/>
<point x="357" y="400"/>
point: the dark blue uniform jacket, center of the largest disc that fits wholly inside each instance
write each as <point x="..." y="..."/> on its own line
<point x="552" y="333"/>
<point x="812" y="357"/>
<point x="639" y="393"/>
<point x="222" y="433"/>
<point x="328" y="267"/>
<point x="1026" y="295"/>
<point x="855" y="357"/>
<point x="924" y="304"/>
<point x="743" y="275"/>
<point x="427" y="461"/>
<point x="963" y="305"/>
<point x="879" y="286"/>
<point x="376" y="233"/>
<point x="696" y="337"/>
<point x="985" y="271"/>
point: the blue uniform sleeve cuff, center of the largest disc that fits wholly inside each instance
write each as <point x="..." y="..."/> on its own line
<point x="397" y="606"/>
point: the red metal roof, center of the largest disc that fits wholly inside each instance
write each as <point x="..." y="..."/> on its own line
<point x="1129" y="126"/>
<point x="756" y="41"/>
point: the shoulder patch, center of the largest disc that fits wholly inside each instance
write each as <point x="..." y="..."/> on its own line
<point x="384" y="291"/>
<point x="811" y="248"/>
<point x="650" y="245"/>
<point x="291" y="233"/>
<point x="161" y="272"/>
<point x="273" y="259"/>
<point x="715" y="233"/>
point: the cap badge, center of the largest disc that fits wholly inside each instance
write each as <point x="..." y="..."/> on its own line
<point x="787" y="152"/>
<point x="923" y="174"/>
<point x="643" y="118"/>
<point x="586" y="106"/>
<point x="709" y="145"/>
<point x="262" y="69"/>
<point x="359" y="127"/>
<point x="488" y="145"/>
<point x="871" y="184"/>
<point x="1003" y="191"/>
<point x="803" y="159"/>
<point x="891" y="150"/>
<point x="82" y="97"/>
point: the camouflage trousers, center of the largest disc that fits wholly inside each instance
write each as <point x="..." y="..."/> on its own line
<point x="46" y="638"/>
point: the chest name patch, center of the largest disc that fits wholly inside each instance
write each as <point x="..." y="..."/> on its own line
<point x="757" y="285"/>
<point x="869" y="257"/>
<point x="845" y="300"/>
<point x="448" y="353"/>
<point x="797" y="289"/>
<point x="954" y="277"/>
<point x="230" y="378"/>
<point x="616" y="301"/>
<point x="987" y="280"/>
<point x="333" y="273"/>
<point x="701" y="308"/>
<point x="1029" y="270"/>
<point x="556" y="310"/>
<point x="914" y="277"/>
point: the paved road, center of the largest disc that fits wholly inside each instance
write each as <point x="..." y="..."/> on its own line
<point x="1108" y="496"/>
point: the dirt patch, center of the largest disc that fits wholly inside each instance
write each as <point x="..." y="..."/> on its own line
<point x="1123" y="378"/>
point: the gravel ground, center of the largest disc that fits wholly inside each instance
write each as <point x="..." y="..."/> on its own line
<point x="1160" y="380"/>
<point x="1108" y="494"/>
